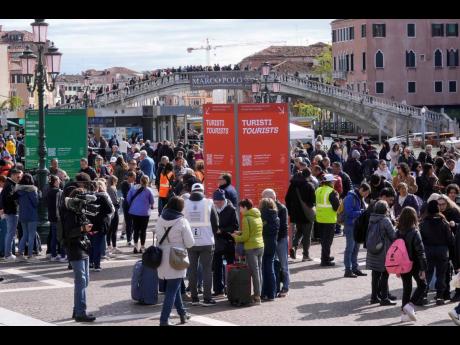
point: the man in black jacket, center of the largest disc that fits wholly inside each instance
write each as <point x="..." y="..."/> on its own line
<point x="225" y="244"/>
<point x="166" y="150"/>
<point x="10" y="209"/>
<point x="282" y="244"/>
<point x="354" y="168"/>
<point x="347" y="186"/>
<point x="85" y="168"/>
<point x="378" y="183"/>
<point x="75" y="228"/>
<point x="300" y="188"/>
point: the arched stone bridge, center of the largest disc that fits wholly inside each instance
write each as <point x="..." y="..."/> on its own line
<point x="371" y="113"/>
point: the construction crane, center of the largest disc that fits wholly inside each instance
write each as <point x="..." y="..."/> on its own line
<point x="208" y="47"/>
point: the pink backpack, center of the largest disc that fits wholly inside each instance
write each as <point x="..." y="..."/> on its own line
<point x="397" y="260"/>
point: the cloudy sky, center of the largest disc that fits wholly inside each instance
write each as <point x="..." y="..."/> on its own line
<point x="147" y="44"/>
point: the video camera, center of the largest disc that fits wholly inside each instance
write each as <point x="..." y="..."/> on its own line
<point x="83" y="204"/>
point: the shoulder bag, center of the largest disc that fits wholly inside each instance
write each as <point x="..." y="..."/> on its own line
<point x="152" y="256"/>
<point x="309" y="212"/>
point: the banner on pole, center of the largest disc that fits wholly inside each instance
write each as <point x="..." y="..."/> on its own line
<point x="219" y="144"/>
<point x="66" y="133"/>
<point x="263" y="136"/>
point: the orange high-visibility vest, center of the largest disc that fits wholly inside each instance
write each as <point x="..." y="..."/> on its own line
<point x="164" y="185"/>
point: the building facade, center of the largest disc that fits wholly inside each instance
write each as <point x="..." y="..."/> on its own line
<point x="415" y="61"/>
<point x="4" y="81"/>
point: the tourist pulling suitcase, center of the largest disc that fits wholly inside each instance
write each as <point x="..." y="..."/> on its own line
<point x="144" y="284"/>
<point x="238" y="284"/>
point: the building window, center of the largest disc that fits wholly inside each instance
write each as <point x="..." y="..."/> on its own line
<point x="352" y="63"/>
<point x="358" y="87"/>
<point x="410" y="30"/>
<point x="379" y="87"/>
<point x="348" y="62"/>
<point x="438" y="58"/>
<point x="452" y="58"/>
<point x="335" y="64"/>
<point x="437" y="30"/>
<point x="363" y="30"/>
<point x="438" y="86"/>
<point x="333" y="36"/>
<point x="452" y="86"/>
<point x="352" y="33"/>
<point x="411" y="87"/>
<point x="452" y="30"/>
<point x="379" y="59"/>
<point x="364" y="61"/>
<point x="378" y="30"/>
<point x="410" y="59"/>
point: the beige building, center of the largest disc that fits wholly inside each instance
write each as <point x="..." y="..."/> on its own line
<point x="408" y="60"/>
<point x="4" y="82"/>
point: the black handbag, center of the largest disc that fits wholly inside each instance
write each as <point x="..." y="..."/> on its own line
<point x="152" y="255"/>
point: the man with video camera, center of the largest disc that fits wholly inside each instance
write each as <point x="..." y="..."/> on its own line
<point x="75" y="226"/>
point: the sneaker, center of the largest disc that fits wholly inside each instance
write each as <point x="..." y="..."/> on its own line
<point x="440" y="301"/>
<point x="256" y="300"/>
<point x="331" y="258"/>
<point x="21" y="258"/>
<point x="349" y="274"/>
<point x="184" y="318"/>
<point x="195" y="301"/>
<point x="359" y="273"/>
<point x="85" y="318"/>
<point x="11" y="258"/>
<point x="306" y="258"/>
<point x="117" y="251"/>
<point x="292" y="253"/>
<point x="387" y="302"/>
<point x="209" y="303"/>
<point x="98" y="269"/>
<point x="54" y="258"/>
<point x="455" y="317"/>
<point x="410" y="311"/>
<point x="328" y="263"/>
<point x="62" y="259"/>
<point x="374" y="301"/>
<point x="283" y="293"/>
<point x="405" y="318"/>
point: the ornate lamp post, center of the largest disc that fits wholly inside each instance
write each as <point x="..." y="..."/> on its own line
<point x="37" y="74"/>
<point x="265" y="96"/>
<point x="423" y="112"/>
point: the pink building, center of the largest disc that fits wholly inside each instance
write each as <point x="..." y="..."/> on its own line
<point x="409" y="60"/>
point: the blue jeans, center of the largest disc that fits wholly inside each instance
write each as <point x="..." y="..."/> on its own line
<point x="81" y="281"/>
<point x="172" y="297"/>
<point x="282" y="254"/>
<point x="54" y="242"/>
<point x="97" y="241"/>
<point x="350" y="257"/>
<point x="29" y="231"/>
<point x="268" y="268"/>
<point x="11" y="226"/>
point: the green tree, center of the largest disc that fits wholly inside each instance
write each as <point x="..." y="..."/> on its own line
<point x="306" y="110"/>
<point x="14" y="103"/>
<point x="323" y="66"/>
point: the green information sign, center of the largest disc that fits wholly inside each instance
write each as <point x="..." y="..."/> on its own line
<point x="66" y="138"/>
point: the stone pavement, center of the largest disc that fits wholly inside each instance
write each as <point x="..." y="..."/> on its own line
<point x="42" y="293"/>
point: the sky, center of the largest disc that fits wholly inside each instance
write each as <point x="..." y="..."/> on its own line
<point x="147" y="44"/>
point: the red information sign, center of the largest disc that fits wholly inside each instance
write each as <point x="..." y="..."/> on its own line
<point x="263" y="141"/>
<point x="219" y="144"/>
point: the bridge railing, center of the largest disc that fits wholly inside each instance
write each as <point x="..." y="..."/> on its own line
<point x="131" y="91"/>
<point x="349" y="95"/>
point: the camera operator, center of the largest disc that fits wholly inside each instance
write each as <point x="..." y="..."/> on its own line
<point x="101" y="223"/>
<point x="75" y="227"/>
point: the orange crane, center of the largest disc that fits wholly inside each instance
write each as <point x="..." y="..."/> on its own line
<point x="208" y="47"/>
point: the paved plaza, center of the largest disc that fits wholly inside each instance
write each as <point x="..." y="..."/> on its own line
<point x="41" y="293"/>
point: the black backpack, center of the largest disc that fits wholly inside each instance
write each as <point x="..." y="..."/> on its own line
<point x="152" y="255"/>
<point x="360" y="227"/>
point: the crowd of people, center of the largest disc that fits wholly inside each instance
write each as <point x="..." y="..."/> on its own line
<point x="378" y="196"/>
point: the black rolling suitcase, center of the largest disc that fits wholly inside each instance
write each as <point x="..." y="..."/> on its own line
<point x="238" y="284"/>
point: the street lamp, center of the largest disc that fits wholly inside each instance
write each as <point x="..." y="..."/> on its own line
<point x="423" y="112"/>
<point x="265" y="96"/>
<point x="36" y="74"/>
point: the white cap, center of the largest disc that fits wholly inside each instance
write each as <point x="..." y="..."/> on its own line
<point x="197" y="187"/>
<point x="113" y="159"/>
<point x="329" y="178"/>
<point x="136" y="155"/>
